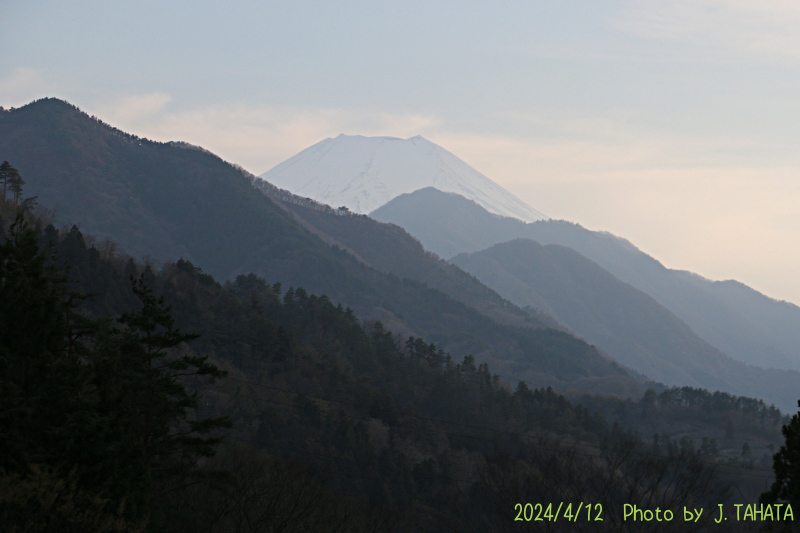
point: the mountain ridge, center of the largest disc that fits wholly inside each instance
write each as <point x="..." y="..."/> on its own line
<point x="750" y="327"/>
<point x="619" y="319"/>
<point x="168" y="202"/>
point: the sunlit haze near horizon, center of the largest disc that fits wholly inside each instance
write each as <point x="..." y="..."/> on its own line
<point x="673" y="124"/>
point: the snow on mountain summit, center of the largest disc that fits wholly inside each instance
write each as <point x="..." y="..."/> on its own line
<point x="364" y="173"/>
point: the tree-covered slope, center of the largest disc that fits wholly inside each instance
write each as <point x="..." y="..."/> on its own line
<point x="389" y="248"/>
<point x="155" y="199"/>
<point x="337" y="425"/>
<point x="168" y="201"/>
<point x="395" y="429"/>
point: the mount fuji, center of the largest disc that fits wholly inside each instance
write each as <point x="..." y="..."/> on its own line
<point x="364" y="173"/>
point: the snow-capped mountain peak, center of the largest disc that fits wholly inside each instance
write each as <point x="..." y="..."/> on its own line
<point x="364" y="173"/>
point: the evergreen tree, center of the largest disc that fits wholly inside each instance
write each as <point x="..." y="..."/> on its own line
<point x="11" y="180"/>
<point x="98" y="410"/>
<point x="48" y="416"/>
<point x="6" y="170"/>
<point x="786" y="464"/>
<point x="38" y="373"/>
<point x="141" y="375"/>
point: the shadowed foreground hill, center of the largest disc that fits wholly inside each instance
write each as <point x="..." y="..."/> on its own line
<point x="168" y="201"/>
<point x="334" y="425"/>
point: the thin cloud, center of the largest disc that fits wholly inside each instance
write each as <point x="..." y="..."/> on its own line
<point x="583" y="149"/>
<point x="256" y="137"/>
<point x="134" y="109"/>
<point x="22" y="86"/>
<point x="731" y="26"/>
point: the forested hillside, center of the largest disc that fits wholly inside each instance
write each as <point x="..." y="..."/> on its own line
<point x="389" y="248"/>
<point x="167" y="201"/>
<point x="337" y="424"/>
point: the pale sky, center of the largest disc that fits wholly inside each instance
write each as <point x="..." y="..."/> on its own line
<point x="674" y="124"/>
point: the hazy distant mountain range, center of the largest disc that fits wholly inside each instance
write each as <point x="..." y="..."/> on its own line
<point x="445" y="208"/>
<point x="737" y="320"/>
<point x="689" y="321"/>
<point x="614" y="316"/>
<point x="170" y="200"/>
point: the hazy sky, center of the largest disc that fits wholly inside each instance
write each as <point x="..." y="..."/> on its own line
<point x="674" y="124"/>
